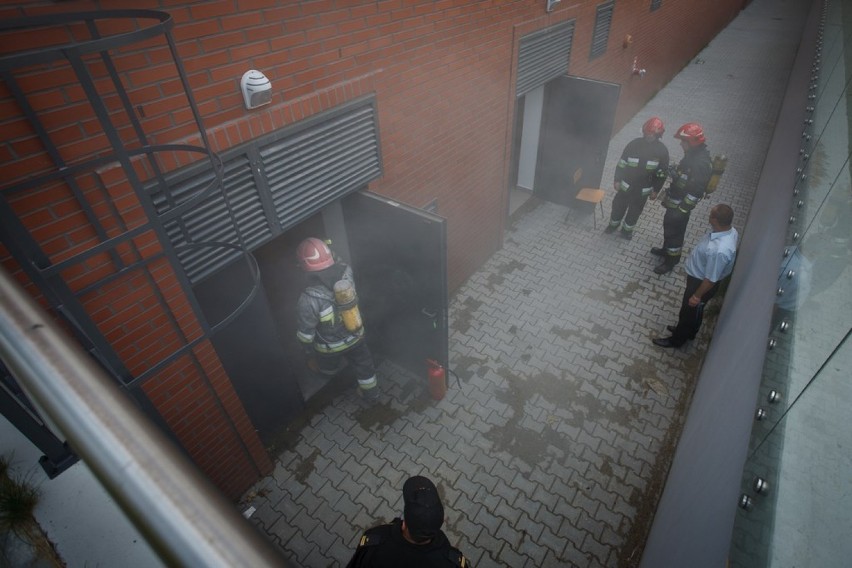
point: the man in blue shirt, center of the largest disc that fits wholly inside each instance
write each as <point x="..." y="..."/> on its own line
<point x="711" y="261"/>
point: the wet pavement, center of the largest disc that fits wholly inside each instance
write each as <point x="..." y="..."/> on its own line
<point x="552" y="447"/>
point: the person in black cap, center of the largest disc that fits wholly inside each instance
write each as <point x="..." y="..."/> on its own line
<point x="415" y="540"/>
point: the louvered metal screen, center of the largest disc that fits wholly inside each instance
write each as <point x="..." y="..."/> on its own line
<point x="271" y="184"/>
<point x="603" y="21"/>
<point x="543" y="55"/>
<point x="309" y="170"/>
<point x="210" y="221"/>
<point x="655" y="4"/>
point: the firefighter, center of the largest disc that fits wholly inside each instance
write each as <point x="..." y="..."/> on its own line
<point x="641" y="171"/>
<point x="320" y="326"/>
<point x="413" y="541"/>
<point x="689" y="180"/>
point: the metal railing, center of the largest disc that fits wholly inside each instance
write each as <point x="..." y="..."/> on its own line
<point x="182" y="516"/>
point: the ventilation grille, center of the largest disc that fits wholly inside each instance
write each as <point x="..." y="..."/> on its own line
<point x="308" y="171"/>
<point x="270" y="185"/>
<point x="603" y="21"/>
<point x="543" y="55"/>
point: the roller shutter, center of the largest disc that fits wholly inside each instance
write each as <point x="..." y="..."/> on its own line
<point x="543" y="55"/>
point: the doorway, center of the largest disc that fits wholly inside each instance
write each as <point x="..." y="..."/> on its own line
<point x="398" y="255"/>
<point x="577" y="119"/>
<point x="561" y="136"/>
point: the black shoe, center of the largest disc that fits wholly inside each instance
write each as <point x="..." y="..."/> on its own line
<point x="664" y="342"/>
<point x="658" y="251"/>
<point x="663" y="268"/>
<point x="610" y="229"/>
<point x="672" y="329"/>
<point x="626" y="235"/>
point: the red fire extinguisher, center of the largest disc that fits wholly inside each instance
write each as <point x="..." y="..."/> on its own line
<point x="437" y="379"/>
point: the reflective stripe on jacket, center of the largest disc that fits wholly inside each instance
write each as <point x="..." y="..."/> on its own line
<point x="689" y="180"/>
<point x="643" y="166"/>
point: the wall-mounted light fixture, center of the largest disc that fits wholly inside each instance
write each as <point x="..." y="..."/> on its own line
<point x="551" y="4"/>
<point x="256" y="88"/>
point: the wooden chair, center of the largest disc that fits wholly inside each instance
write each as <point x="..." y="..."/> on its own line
<point x="595" y="197"/>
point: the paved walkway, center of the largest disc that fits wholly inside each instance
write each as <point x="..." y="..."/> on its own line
<point x="554" y="450"/>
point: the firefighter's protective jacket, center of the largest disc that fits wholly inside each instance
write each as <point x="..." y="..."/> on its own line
<point x="689" y="180"/>
<point x="319" y="325"/>
<point x="643" y="167"/>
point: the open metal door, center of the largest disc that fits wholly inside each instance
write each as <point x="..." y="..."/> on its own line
<point x="576" y="127"/>
<point x="399" y="257"/>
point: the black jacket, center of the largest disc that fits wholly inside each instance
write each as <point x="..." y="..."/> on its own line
<point x="643" y="166"/>
<point x="385" y="547"/>
<point x="689" y="180"/>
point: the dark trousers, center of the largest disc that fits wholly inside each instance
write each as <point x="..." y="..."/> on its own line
<point x="689" y="319"/>
<point x="358" y="356"/>
<point x="674" y="229"/>
<point x="630" y="202"/>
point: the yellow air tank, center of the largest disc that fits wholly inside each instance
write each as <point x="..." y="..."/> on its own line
<point x="720" y="162"/>
<point x="347" y="302"/>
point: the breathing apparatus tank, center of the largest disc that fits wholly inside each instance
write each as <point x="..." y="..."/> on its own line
<point x="720" y="162"/>
<point x="347" y="302"/>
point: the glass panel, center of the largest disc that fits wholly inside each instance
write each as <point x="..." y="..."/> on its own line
<point x="796" y="486"/>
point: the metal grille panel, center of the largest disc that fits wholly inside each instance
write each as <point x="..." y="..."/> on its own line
<point x="310" y="170"/>
<point x="272" y="184"/>
<point x="211" y="220"/>
<point x="543" y="55"/>
<point x="603" y="21"/>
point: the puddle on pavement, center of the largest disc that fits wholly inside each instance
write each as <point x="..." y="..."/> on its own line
<point x="644" y="374"/>
<point x="608" y="296"/>
<point x="377" y="416"/>
<point x="525" y="444"/>
<point x="464" y="315"/>
<point x="463" y="363"/>
<point x="497" y="278"/>
<point x="565" y="334"/>
<point x="305" y="467"/>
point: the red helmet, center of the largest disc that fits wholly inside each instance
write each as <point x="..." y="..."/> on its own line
<point x="653" y="126"/>
<point x="314" y="255"/>
<point x="691" y="133"/>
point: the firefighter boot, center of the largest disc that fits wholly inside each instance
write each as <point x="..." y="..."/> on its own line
<point x="613" y="225"/>
<point x="667" y="265"/>
<point x="368" y="389"/>
<point x="370" y="396"/>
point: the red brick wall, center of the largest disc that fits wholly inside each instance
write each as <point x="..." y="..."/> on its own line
<point x="443" y="73"/>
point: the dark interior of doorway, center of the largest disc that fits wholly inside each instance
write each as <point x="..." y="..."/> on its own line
<point x="283" y="281"/>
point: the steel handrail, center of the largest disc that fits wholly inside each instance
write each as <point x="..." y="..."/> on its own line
<point x="182" y="516"/>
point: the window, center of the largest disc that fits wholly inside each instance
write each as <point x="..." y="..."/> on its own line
<point x="603" y="20"/>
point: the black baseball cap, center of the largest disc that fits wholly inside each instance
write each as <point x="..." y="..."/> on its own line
<point x="424" y="513"/>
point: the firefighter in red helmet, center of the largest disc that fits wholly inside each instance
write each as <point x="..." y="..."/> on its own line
<point x="640" y="172"/>
<point x="321" y="329"/>
<point x="689" y="180"/>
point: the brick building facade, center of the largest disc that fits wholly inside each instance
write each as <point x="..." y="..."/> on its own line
<point x="441" y="76"/>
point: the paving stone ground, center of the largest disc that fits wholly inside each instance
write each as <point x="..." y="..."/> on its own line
<point x="554" y="448"/>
